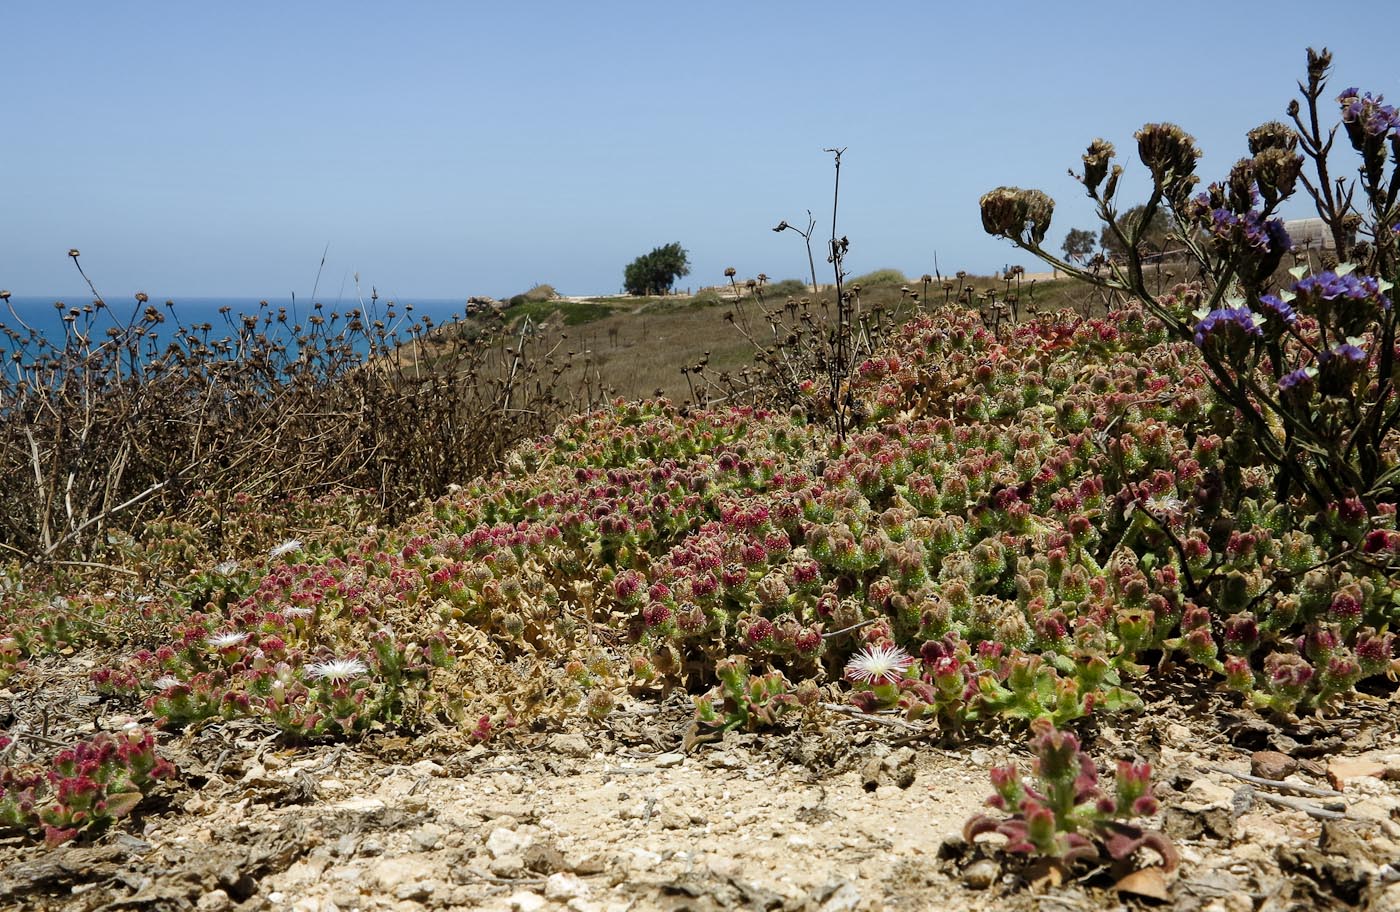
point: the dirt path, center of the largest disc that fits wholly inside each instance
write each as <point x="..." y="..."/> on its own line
<point x="837" y="814"/>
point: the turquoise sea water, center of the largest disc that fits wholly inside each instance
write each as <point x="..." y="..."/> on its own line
<point x="41" y="315"/>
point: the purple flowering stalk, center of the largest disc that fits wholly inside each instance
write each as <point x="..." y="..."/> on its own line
<point x="1310" y="369"/>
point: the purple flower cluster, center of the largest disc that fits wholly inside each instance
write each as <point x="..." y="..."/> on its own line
<point x="1298" y="382"/>
<point x="1328" y="286"/>
<point x="1368" y="112"/>
<point x="1276" y="307"/>
<point x="1227" y="323"/>
<point x="1248" y="231"/>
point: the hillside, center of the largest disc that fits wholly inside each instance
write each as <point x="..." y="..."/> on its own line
<point x="722" y="658"/>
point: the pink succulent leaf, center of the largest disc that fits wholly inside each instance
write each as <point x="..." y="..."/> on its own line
<point x="122" y="803"/>
<point x="1126" y="839"/>
<point x="979" y="824"/>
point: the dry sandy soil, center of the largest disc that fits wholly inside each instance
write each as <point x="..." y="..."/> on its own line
<point x="837" y="813"/>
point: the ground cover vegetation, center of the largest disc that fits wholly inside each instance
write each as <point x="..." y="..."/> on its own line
<point x="962" y="517"/>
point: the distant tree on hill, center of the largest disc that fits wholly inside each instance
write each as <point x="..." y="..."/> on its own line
<point x="1079" y="243"/>
<point x="654" y="273"/>
<point x="1154" y="239"/>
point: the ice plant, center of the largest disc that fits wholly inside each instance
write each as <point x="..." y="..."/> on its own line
<point x="85" y="788"/>
<point x="1064" y="815"/>
<point x="282" y="549"/>
<point x="336" y="671"/>
<point x="883" y="663"/>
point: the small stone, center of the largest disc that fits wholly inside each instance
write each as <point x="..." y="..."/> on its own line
<point x="564" y="886"/>
<point x="668" y="760"/>
<point x="507" y="842"/>
<point x="507" y="866"/>
<point x="1206" y="809"/>
<point x="393" y="873"/>
<point x="845" y="898"/>
<point x="1267" y="764"/>
<point x="419" y="890"/>
<point x="426" y="768"/>
<point x="214" y="901"/>
<point x="363" y="806"/>
<point x="674" y="819"/>
<point x="980" y="874"/>
<point x="525" y="901"/>
<point x="642" y="860"/>
<point x="902" y="757"/>
<point x="544" y="858"/>
<point x="1342" y="769"/>
<point x="585" y="861"/>
<point x="570" y="745"/>
<point x="427" y="837"/>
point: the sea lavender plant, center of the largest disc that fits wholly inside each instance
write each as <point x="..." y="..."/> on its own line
<point x="1308" y="368"/>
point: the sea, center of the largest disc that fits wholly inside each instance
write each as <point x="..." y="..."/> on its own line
<point x="52" y="318"/>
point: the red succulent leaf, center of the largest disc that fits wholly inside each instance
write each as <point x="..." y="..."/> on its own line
<point x="978" y="824"/>
<point x="1126" y="839"/>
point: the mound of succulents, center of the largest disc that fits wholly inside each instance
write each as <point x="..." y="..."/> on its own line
<point x="1022" y="526"/>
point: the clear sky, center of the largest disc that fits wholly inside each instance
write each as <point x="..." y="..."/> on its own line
<point x="448" y="149"/>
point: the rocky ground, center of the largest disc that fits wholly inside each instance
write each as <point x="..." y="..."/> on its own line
<point x="841" y="813"/>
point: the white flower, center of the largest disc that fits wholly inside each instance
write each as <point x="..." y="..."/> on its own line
<point x="878" y="664"/>
<point x="227" y="640"/>
<point x="166" y="682"/>
<point x="337" y="671"/>
<point x="226" y="568"/>
<point x="297" y="611"/>
<point x="290" y="546"/>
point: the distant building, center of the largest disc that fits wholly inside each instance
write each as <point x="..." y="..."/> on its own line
<point x="1310" y="234"/>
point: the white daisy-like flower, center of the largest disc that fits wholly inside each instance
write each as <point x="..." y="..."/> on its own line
<point x="290" y="546"/>
<point x="337" y="671"/>
<point x="297" y="611"/>
<point x="227" y="640"/>
<point x="166" y="682"/>
<point x="226" y="568"/>
<point x="881" y="664"/>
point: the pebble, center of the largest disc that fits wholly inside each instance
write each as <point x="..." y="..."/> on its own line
<point x="507" y="865"/>
<point x="525" y="901"/>
<point x="570" y="745"/>
<point x="563" y="886"/>
<point x="428" y="836"/>
<point x="1272" y="765"/>
<point x="426" y="768"/>
<point x="981" y="874"/>
<point x="359" y="805"/>
<point x="214" y="901"/>
<point x="668" y="760"/>
<point x="418" y="890"/>
<point x="393" y="873"/>
<point x="641" y="860"/>
<point x="504" y="841"/>
<point x="845" y="898"/>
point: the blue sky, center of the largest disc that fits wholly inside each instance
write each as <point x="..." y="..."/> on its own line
<point x="449" y="149"/>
